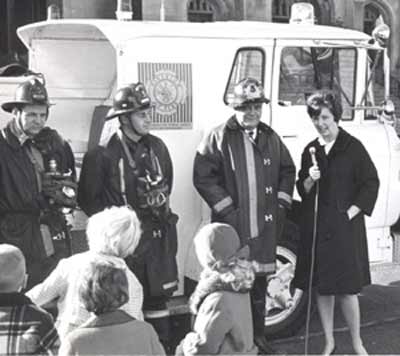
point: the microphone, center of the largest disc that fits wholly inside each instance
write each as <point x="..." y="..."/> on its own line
<point x="312" y="154"/>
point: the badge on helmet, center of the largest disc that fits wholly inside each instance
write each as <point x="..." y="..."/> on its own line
<point x="248" y="91"/>
<point x="128" y="99"/>
<point x="31" y="92"/>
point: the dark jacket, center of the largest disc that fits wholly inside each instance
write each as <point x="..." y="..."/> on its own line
<point x="21" y="201"/>
<point x="100" y="186"/>
<point x="348" y="177"/>
<point x="243" y="182"/>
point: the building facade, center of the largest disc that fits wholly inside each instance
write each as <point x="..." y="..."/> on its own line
<point x="345" y="13"/>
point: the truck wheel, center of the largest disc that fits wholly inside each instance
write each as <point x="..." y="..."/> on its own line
<point x="285" y="306"/>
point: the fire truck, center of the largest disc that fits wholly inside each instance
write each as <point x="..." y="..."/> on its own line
<point x="189" y="70"/>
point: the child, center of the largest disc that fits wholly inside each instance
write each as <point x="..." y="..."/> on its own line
<point x="110" y="330"/>
<point x="24" y="327"/>
<point x="221" y="301"/>
<point x="112" y="235"/>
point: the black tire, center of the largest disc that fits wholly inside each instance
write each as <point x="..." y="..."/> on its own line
<point x="283" y="320"/>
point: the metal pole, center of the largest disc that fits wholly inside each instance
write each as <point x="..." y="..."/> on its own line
<point x="386" y="71"/>
<point x="310" y="284"/>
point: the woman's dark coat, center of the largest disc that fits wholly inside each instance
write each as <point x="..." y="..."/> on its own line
<point x="348" y="177"/>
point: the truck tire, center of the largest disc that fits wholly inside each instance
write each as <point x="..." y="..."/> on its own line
<point x="285" y="306"/>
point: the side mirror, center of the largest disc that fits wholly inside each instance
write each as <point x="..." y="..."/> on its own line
<point x="381" y="34"/>
<point x="387" y="113"/>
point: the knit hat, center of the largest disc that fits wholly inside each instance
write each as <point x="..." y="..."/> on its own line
<point x="12" y="268"/>
<point x="218" y="242"/>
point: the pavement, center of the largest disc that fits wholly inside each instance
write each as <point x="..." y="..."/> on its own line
<point x="380" y="320"/>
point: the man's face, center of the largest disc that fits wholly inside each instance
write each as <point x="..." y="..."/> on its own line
<point x="32" y="119"/>
<point x="250" y="115"/>
<point x="140" y="121"/>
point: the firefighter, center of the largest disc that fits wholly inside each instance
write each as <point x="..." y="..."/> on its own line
<point x="134" y="168"/>
<point x="246" y="175"/>
<point x="31" y="197"/>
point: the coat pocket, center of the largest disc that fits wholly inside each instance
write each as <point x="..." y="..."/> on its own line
<point x="343" y="205"/>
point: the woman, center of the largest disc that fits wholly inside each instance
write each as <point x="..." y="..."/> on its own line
<point x="110" y="330"/>
<point x="221" y="301"/>
<point x="112" y="235"/>
<point x="347" y="181"/>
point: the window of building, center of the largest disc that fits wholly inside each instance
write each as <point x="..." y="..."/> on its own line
<point x="248" y="62"/>
<point x="281" y="10"/>
<point x="200" y="11"/>
<point x="13" y="14"/>
<point x="304" y="70"/>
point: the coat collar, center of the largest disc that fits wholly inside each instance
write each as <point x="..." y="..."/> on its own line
<point x="342" y="141"/>
<point x="10" y="137"/>
<point x="233" y="124"/>
<point x="108" y="319"/>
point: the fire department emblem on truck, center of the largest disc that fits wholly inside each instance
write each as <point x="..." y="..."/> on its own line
<point x="167" y="90"/>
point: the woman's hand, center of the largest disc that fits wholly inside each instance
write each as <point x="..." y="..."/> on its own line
<point x="353" y="211"/>
<point x="314" y="173"/>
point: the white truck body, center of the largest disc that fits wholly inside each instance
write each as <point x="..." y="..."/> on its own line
<point x="186" y="68"/>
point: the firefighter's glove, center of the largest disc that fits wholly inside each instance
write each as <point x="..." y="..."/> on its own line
<point x="59" y="192"/>
<point x="314" y="173"/>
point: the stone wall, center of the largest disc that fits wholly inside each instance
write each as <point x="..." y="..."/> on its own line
<point x="89" y="9"/>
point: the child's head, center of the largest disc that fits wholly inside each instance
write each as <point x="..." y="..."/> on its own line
<point x="12" y="269"/>
<point x="114" y="231"/>
<point x="218" y="242"/>
<point x="104" y="287"/>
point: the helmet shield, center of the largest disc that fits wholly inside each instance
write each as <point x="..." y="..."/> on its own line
<point x="128" y="99"/>
<point x="248" y="91"/>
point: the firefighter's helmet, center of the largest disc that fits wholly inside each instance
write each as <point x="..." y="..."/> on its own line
<point x="248" y="91"/>
<point x="30" y="92"/>
<point x="130" y="98"/>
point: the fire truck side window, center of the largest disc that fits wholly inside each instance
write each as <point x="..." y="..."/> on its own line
<point x="304" y="70"/>
<point x="248" y="62"/>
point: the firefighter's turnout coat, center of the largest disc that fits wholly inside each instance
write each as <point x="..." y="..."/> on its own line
<point x="22" y="204"/>
<point x="244" y="182"/>
<point x="112" y="176"/>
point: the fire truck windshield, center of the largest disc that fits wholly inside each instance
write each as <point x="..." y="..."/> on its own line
<point x="304" y="70"/>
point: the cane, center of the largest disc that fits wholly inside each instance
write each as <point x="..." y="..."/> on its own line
<point x="313" y="244"/>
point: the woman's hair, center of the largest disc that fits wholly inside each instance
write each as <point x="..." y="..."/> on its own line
<point x="319" y="100"/>
<point x="104" y="287"/>
<point x="114" y="231"/>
